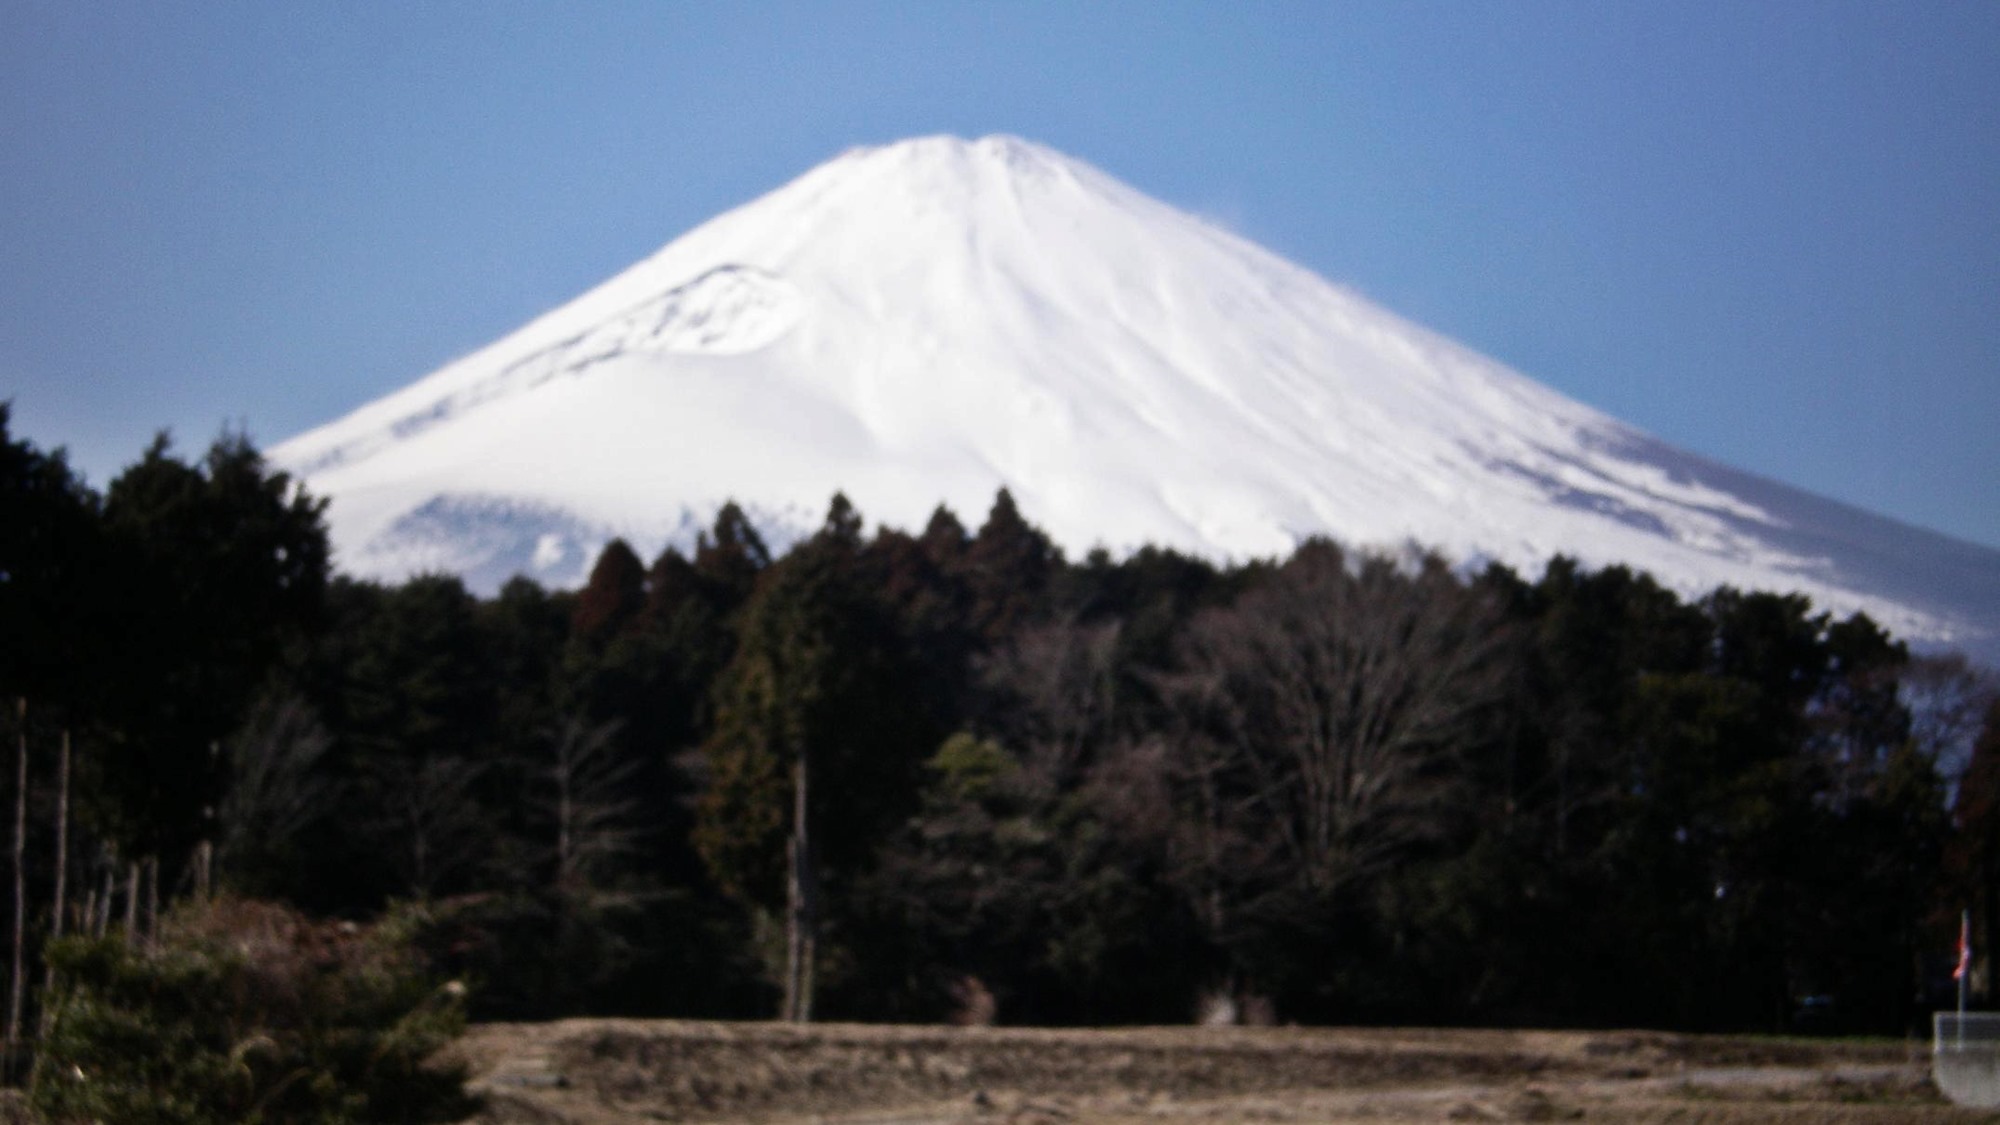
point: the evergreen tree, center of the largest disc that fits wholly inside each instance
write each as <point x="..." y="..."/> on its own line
<point x="524" y="631"/>
<point x="417" y="705"/>
<point x="687" y="629"/>
<point x="815" y="746"/>
<point x="613" y="597"/>
<point x="1008" y="566"/>
<point x="52" y="557"/>
<point x="731" y="555"/>
<point x="944" y="539"/>
<point x="218" y="569"/>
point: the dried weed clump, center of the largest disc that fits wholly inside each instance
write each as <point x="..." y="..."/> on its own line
<point x="249" y="1011"/>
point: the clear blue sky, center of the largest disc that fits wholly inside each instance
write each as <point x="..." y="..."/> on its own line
<point x="1768" y="232"/>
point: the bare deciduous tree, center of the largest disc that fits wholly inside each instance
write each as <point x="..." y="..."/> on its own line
<point x="1055" y="685"/>
<point x="1947" y="696"/>
<point x="1319" y="719"/>
<point x="275" y="786"/>
<point x="434" y="819"/>
<point x="590" y="803"/>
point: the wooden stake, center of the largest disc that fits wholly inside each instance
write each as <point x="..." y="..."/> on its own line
<point x="62" y="836"/>
<point x="19" y="986"/>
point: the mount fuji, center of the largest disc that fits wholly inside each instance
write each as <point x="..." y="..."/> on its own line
<point x="927" y="321"/>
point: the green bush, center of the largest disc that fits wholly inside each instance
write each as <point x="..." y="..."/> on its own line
<point x="248" y="1012"/>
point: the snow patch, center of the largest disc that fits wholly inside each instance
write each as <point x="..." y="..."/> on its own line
<point x="550" y="550"/>
<point x="486" y="540"/>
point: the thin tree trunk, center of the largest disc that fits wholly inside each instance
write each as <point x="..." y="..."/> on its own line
<point x="565" y="768"/>
<point x="62" y="838"/>
<point x="790" y="1010"/>
<point x="56" y="922"/>
<point x="802" y="916"/>
<point x="132" y="902"/>
<point x="205" y="850"/>
<point x="104" y="900"/>
<point x="19" y="987"/>
<point x="152" y="901"/>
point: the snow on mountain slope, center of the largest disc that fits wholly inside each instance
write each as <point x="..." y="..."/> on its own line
<point x="926" y="321"/>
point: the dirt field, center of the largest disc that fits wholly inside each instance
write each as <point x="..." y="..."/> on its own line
<point x="601" y="1072"/>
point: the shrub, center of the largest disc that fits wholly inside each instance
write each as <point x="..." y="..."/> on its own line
<point x="246" y="1011"/>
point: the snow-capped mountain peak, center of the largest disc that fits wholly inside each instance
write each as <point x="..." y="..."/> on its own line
<point x="926" y="321"/>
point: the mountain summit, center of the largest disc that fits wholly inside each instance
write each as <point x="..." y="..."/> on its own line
<point x="926" y="321"/>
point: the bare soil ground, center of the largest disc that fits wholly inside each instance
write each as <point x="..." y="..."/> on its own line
<point x="612" y="1072"/>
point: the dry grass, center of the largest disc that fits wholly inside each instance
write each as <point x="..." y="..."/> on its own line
<point x="610" y="1072"/>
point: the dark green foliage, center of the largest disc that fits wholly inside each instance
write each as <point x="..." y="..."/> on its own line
<point x="417" y="706"/>
<point x="1035" y="864"/>
<point x="415" y="678"/>
<point x="52" y="560"/>
<point x="1008" y="567"/>
<point x="1359" y="788"/>
<point x="926" y="606"/>
<point x="217" y="569"/>
<point x="731" y="555"/>
<point x="249" y="1013"/>
<point x="819" y="669"/>
<point x="1037" y="878"/>
<point x="523" y="632"/>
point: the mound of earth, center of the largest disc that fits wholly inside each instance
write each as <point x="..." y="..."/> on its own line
<point x="610" y="1072"/>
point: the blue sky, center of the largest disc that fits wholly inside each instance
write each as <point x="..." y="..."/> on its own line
<point x="1766" y="232"/>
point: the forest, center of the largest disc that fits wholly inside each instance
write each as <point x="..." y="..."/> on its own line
<point x="950" y="774"/>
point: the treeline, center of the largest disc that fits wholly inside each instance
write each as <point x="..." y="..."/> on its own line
<point x="954" y="774"/>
